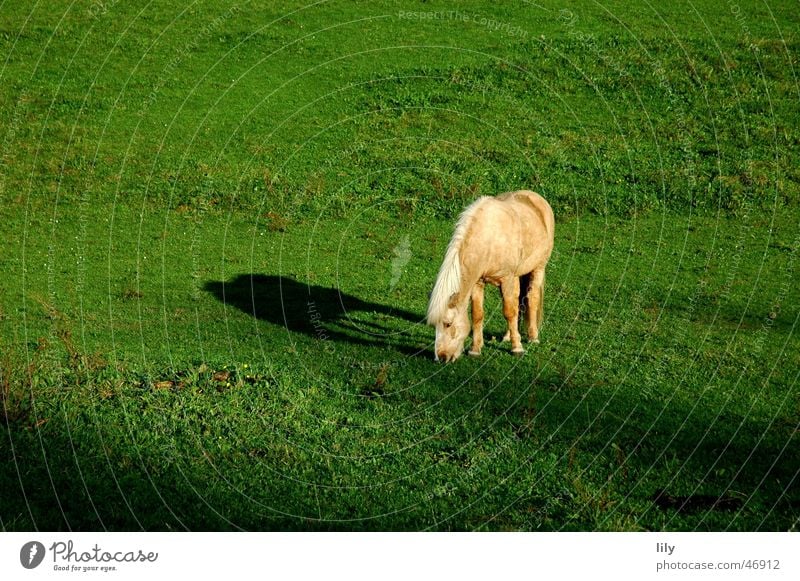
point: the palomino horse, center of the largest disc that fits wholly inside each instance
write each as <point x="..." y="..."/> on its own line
<point x="496" y="240"/>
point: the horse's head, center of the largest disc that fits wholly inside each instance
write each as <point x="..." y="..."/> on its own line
<point x="451" y="330"/>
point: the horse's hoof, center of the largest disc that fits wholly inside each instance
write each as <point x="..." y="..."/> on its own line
<point x="533" y="339"/>
<point x="474" y="353"/>
<point x="506" y="337"/>
<point x="518" y="352"/>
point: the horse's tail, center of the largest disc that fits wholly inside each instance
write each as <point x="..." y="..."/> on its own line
<point x="540" y="308"/>
<point x="524" y="285"/>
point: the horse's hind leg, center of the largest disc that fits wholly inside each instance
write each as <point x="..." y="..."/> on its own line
<point x="510" y="289"/>
<point x="535" y="311"/>
<point x="477" y="320"/>
<point x="524" y="285"/>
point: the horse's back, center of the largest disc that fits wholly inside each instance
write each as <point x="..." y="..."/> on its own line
<point x="512" y="234"/>
<point x="536" y="203"/>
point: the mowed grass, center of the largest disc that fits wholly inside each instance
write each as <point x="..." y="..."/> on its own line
<point x="221" y="227"/>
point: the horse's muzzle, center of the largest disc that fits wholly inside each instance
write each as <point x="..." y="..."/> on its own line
<point x="445" y="358"/>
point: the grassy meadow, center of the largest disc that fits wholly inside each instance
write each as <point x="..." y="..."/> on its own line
<point x="221" y="222"/>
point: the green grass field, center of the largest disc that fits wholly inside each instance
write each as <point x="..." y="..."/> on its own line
<point x="221" y="223"/>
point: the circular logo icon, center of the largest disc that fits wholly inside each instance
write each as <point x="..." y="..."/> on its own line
<point x="31" y="554"/>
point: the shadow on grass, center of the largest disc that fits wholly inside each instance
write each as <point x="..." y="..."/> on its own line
<point x="64" y="482"/>
<point x="496" y="443"/>
<point x="549" y="468"/>
<point x="319" y="312"/>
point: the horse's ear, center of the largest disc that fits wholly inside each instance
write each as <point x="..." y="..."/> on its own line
<point x="452" y="301"/>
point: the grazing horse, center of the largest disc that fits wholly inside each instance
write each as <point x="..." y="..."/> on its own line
<point x="496" y="240"/>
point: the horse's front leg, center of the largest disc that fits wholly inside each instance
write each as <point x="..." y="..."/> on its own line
<point x="510" y="289"/>
<point x="477" y="319"/>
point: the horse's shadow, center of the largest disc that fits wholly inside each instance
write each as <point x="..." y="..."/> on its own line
<point x="319" y="312"/>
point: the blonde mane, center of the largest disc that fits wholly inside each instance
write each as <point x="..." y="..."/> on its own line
<point x="448" y="281"/>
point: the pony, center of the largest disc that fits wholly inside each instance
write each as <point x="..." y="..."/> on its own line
<point x="497" y="240"/>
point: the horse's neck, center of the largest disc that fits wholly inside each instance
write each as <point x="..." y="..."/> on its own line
<point x="470" y="275"/>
